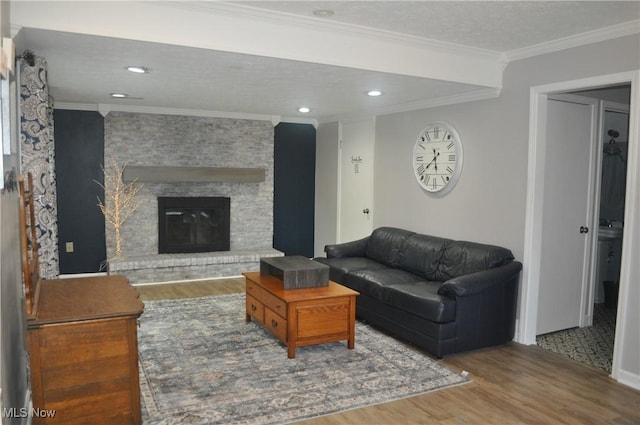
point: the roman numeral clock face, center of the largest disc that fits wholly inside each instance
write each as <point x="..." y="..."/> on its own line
<point x="437" y="158"/>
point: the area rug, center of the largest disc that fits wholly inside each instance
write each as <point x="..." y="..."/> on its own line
<point x="201" y="363"/>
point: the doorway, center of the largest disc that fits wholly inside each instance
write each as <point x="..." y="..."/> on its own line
<point x="585" y="332"/>
<point x="538" y="145"/>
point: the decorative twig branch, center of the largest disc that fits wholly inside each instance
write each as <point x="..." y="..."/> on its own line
<point x="119" y="201"/>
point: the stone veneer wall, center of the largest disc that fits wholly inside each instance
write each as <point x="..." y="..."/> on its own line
<point x="169" y="140"/>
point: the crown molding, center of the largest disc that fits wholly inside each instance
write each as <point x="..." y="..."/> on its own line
<point x="299" y="120"/>
<point x="320" y="24"/>
<point x="105" y="108"/>
<point x="482" y="94"/>
<point x="576" y="40"/>
<point x="14" y="29"/>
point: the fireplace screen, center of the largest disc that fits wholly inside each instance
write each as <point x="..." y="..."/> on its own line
<point x="196" y="224"/>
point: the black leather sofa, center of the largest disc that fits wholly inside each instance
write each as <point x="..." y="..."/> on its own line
<point x="441" y="295"/>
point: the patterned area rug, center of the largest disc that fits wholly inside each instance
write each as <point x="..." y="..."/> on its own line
<point x="591" y="345"/>
<point x="201" y="363"/>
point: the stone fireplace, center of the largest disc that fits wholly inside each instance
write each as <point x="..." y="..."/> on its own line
<point x="165" y="143"/>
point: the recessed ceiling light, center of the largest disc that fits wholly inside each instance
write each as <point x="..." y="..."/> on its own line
<point x="138" y="69"/>
<point x="374" y="93"/>
<point x="304" y="109"/>
<point x="119" y="95"/>
<point x="323" y="13"/>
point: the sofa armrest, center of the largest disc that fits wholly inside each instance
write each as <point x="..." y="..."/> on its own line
<point x="475" y="283"/>
<point x="347" y="249"/>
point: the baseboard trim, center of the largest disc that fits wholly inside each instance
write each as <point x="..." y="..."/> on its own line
<point x="71" y="276"/>
<point x="185" y="280"/>
<point x="629" y="379"/>
<point x="75" y="275"/>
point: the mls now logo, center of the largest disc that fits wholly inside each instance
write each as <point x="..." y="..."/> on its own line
<point x="23" y="412"/>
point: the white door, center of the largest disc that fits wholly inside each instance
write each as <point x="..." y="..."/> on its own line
<point x="356" y="180"/>
<point x="565" y="256"/>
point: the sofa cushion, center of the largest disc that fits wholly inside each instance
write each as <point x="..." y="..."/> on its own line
<point x="421" y="299"/>
<point x="421" y="255"/>
<point x="343" y="265"/>
<point x="385" y="245"/>
<point x="371" y="282"/>
<point x="462" y="257"/>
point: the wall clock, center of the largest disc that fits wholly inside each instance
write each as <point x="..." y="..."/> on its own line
<point x="437" y="158"/>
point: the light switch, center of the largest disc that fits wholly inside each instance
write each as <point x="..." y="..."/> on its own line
<point x="69" y="246"/>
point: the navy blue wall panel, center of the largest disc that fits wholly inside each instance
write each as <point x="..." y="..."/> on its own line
<point x="294" y="188"/>
<point x="79" y="155"/>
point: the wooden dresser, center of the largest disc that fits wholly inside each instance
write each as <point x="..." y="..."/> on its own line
<point x="83" y="350"/>
<point x="82" y="339"/>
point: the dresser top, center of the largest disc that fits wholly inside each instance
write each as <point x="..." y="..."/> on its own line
<point x="85" y="298"/>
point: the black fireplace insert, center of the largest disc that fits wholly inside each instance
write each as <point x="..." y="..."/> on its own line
<point x="193" y="224"/>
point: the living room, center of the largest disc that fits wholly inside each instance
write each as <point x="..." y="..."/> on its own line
<point x="496" y="198"/>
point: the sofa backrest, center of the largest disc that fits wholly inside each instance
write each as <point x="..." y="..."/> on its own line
<point x="432" y="257"/>
<point x="385" y="245"/>
<point x="421" y="255"/>
<point x="462" y="257"/>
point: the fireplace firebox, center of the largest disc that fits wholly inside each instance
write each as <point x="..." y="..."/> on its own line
<point x="194" y="224"/>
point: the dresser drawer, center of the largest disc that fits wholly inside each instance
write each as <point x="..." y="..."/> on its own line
<point x="255" y="309"/>
<point x="269" y="300"/>
<point x="276" y="324"/>
<point x="83" y="353"/>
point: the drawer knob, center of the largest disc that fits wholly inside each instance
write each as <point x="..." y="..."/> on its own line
<point x="274" y="323"/>
<point x="253" y="307"/>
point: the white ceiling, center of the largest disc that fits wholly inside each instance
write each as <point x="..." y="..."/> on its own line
<point x="84" y="68"/>
<point x="500" y="26"/>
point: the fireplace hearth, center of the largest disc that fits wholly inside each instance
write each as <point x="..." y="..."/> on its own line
<point x="193" y="224"/>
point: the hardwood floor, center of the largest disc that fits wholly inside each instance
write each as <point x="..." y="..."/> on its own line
<point x="191" y="289"/>
<point x="511" y="384"/>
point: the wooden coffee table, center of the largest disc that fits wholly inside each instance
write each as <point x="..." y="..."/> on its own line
<point x="300" y="317"/>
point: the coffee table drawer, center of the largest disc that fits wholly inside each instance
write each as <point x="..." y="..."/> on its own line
<point x="269" y="300"/>
<point x="323" y="318"/>
<point x="276" y="324"/>
<point x="255" y="309"/>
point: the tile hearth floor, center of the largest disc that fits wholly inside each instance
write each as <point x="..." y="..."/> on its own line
<point x="591" y="345"/>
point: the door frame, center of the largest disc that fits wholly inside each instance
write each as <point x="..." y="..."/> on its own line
<point x="360" y="132"/>
<point x="535" y="191"/>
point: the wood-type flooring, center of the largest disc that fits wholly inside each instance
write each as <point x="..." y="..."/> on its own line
<point x="511" y="384"/>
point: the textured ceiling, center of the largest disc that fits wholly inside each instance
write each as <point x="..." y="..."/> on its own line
<point x="84" y="68"/>
<point x="501" y="26"/>
<point x="191" y="78"/>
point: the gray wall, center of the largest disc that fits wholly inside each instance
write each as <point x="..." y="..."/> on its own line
<point x="326" y="202"/>
<point x="170" y="140"/>
<point x="13" y="361"/>
<point x="488" y="204"/>
<point x="12" y="321"/>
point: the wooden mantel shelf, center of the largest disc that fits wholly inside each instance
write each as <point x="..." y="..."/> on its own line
<point x="142" y="173"/>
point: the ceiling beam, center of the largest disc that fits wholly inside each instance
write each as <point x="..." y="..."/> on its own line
<point x="233" y="28"/>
